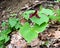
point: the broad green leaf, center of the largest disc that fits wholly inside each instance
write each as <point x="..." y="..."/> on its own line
<point x="12" y="21"/>
<point x="28" y="33"/>
<point x="43" y="18"/>
<point x="55" y="17"/>
<point x="58" y="18"/>
<point x="2" y="46"/>
<point x="6" y="38"/>
<point x="3" y="24"/>
<point x="52" y="17"/>
<point x="47" y="11"/>
<point x="58" y="15"/>
<point x="1" y="42"/>
<point x="4" y="35"/>
<point x="6" y="32"/>
<point x="18" y="25"/>
<point x="40" y="28"/>
<point x="27" y="13"/>
<point x="1" y="37"/>
<point x="58" y="12"/>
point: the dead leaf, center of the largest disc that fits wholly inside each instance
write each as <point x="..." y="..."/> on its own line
<point x="57" y="34"/>
<point x="35" y="42"/>
<point x="23" y="21"/>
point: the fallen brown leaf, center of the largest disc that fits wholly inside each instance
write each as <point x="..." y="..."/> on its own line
<point x="57" y="34"/>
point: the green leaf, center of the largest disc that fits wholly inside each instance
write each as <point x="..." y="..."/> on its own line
<point x="28" y="33"/>
<point x="12" y="22"/>
<point x="4" y="35"/>
<point x="58" y="18"/>
<point x="6" y="32"/>
<point x="47" y="11"/>
<point x="57" y="0"/>
<point x="52" y="17"/>
<point x="58" y="15"/>
<point x="6" y="38"/>
<point x="3" y="24"/>
<point x="58" y="12"/>
<point x="43" y="18"/>
<point x="1" y="42"/>
<point x="40" y="28"/>
<point x="27" y="13"/>
<point x="18" y="25"/>
<point x="1" y="37"/>
<point x="55" y="17"/>
<point x="2" y="46"/>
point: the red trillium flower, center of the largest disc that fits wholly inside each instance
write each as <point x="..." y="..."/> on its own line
<point x="34" y="14"/>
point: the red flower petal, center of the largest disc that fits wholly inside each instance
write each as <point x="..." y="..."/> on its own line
<point x="34" y="14"/>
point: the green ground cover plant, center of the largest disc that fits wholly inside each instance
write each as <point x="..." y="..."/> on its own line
<point x="40" y="20"/>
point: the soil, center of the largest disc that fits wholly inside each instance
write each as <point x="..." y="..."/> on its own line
<point x="50" y="38"/>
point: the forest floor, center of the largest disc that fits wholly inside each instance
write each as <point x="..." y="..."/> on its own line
<point x="50" y="38"/>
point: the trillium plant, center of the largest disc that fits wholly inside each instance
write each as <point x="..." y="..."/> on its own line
<point x="39" y="21"/>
